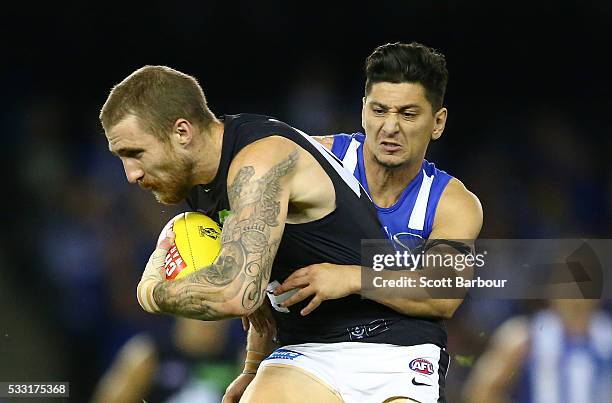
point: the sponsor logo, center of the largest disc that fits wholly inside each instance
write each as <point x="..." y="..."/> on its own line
<point x="417" y="383"/>
<point x="174" y="263"/>
<point x="371" y="329"/>
<point x="209" y="232"/>
<point x="284" y="354"/>
<point x="422" y="366"/>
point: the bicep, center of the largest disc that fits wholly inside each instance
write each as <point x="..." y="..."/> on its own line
<point x="458" y="215"/>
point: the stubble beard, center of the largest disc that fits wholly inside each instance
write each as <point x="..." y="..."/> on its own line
<point x="388" y="164"/>
<point x="176" y="183"/>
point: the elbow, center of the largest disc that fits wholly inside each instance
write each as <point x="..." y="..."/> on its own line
<point x="447" y="308"/>
<point x="446" y="315"/>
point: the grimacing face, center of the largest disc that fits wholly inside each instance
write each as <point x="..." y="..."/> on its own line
<point x="149" y="162"/>
<point x="399" y="123"/>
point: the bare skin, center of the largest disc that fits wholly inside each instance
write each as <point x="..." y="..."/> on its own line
<point x="495" y="372"/>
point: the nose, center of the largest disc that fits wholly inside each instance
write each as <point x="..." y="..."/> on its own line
<point x="133" y="172"/>
<point x="391" y="124"/>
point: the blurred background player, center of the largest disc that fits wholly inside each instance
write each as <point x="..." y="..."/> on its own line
<point x="194" y="363"/>
<point x="402" y="112"/>
<point x="560" y="354"/>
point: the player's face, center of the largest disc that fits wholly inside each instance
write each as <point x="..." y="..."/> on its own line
<point x="150" y="162"/>
<point x="399" y="123"/>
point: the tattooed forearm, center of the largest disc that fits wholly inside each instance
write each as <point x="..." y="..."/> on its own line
<point x="247" y="250"/>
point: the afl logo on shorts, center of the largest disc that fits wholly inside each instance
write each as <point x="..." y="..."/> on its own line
<point x="422" y="366"/>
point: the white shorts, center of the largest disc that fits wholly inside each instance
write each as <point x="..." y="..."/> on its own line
<point x="371" y="372"/>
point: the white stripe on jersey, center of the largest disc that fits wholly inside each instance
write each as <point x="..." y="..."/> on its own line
<point x="417" y="218"/>
<point x="347" y="176"/>
<point x="565" y="372"/>
<point x="546" y="342"/>
<point x="580" y="376"/>
<point x="350" y="158"/>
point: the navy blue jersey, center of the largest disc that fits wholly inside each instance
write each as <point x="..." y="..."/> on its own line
<point x="409" y="221"/>
<point x="335" y="238"/>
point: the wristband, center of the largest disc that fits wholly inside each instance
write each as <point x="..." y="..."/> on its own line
<point x="150" y="277"/>
<point x="144" y="293"/>
<point x="252" y="361"/>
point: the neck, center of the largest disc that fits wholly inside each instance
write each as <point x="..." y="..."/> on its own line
<point x="575" y="323"/>
<point x="208" y="155"/>
<point x="387" y="184"/>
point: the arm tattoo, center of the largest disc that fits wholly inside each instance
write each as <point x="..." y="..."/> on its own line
<point x="247" y="250"/>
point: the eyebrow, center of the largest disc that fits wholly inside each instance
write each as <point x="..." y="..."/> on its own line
<point x="400" y="108"/>
<point x="125" y="151"/>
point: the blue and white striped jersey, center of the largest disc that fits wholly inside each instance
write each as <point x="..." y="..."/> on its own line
<point x="410" y="220"/>
<point x="562" y="368"/>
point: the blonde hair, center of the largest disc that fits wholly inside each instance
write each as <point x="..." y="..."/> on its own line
<point x="158" y="96"/>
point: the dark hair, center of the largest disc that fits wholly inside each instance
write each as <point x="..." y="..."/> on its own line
<point x="412" y="63"/>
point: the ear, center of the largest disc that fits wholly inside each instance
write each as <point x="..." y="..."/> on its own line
<point x="439" y="123"/>
<point x="363" y="106"/>
<point x="183" y="131"/>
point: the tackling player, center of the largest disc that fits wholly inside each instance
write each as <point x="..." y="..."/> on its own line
<point x="402" y="112"/>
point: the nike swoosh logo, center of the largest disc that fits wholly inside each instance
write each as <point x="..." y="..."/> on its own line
<point x="416" y="383"/>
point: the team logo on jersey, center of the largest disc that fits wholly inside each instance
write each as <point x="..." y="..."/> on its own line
<point x="407" y="240"/>
<point x="422" y="366"/>
<point x="284" y="354"/>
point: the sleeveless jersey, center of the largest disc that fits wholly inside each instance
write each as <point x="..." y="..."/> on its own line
<point x="335" y="238"/>
<point x="563" y="369"/>
<point x="409" y="221"/>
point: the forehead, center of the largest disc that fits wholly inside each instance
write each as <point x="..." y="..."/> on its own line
<point x="128" y="134"/>
<point x="397" y="94"/>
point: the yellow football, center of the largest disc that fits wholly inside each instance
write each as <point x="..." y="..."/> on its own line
<point x="197" y="244"/>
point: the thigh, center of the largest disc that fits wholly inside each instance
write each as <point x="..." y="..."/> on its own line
<point x="287" y="384"/>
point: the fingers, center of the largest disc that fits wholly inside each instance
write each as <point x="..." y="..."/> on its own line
<point x="229" y="398"/>
<point x="168" y="241"/>
<point x="314" y="303"/>
<point x="245" y="323"/>
<point x="253" y="322"/>
<point x="267" y="313"/>
<point x="258" y="323"/>
<point x="298" y="296"/>
<point x="292" y="282"/>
